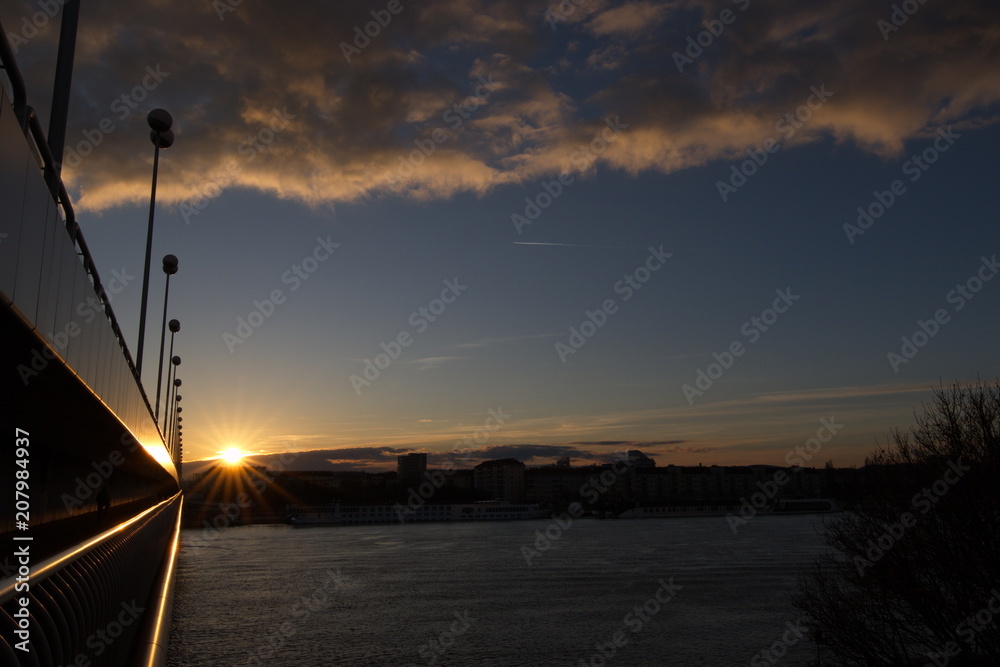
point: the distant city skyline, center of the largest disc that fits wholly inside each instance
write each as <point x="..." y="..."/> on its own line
<point x="501" y="229"/>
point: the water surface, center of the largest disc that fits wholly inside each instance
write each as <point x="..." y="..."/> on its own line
<point x="463" y="594"/>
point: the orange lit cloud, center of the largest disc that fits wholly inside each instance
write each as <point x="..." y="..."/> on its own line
<point x="629" y="19"/>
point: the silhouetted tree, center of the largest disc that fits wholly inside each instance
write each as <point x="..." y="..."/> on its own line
<point x="915" y="575"/>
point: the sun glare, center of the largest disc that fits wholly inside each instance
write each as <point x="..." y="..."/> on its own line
<point x="232" y="456"/>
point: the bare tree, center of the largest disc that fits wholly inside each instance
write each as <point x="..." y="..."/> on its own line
<point x="915" y="572"/>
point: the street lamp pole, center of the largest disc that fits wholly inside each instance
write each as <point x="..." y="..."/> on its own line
<point x="169" y="268"/>
<point x="176" y="434"/>
<point x="175" y="410"/>
<point x="179" y="454"/>
<point x="162" y="137"/>
<point x="168" y="412"/>
<point x="171" y="372"/>
<point x="174" y="326"/>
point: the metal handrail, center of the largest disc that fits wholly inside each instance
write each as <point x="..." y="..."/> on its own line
<point x="73" y="594"/>
<point x="151" y="645"/>
<point x="50" y="566"/>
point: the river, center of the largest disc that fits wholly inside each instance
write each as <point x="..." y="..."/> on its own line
<point x="679" y="591"/>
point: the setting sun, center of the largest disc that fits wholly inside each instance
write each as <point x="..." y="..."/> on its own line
<point x="232" y="456"/>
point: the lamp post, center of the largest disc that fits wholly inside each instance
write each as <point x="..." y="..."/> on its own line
<point x="177" y="425"/>
<point x="162" y="137"/>
<point x="180" y="457"/>
<point x="169" y="268"/>
<point x="171" y="372"/>
<point x="174" y="326"/>
<point x="172" y="404"/>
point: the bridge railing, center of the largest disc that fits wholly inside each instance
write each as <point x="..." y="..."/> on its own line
<point x="92" y="604"/>
<point x="48" y="277"/>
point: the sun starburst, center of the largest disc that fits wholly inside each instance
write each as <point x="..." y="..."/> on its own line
<point x="232" y="456"/>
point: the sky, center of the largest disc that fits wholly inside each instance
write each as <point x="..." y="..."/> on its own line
<point x="709" y="230"/>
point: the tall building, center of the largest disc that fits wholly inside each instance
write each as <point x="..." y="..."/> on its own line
<point x="556" y="485"/>
<point x="501" y="478"/>
<point x="410" y="468"/>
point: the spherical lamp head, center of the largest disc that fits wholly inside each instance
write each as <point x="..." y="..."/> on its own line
<point x="163" y="139"/>
<point x="159" y="120"/>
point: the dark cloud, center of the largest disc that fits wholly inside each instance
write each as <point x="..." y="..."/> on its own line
<point x="529" y="453"/>
<point x="343" y="130"/>
<point x="343" y="459"/>
<point x="688" y="450"/>
<point x="632" y="444"/>
<point x="380" y="458"/>
<point x="603" y="442"/>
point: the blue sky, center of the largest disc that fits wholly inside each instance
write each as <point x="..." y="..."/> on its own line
<point x="323" y="176"/>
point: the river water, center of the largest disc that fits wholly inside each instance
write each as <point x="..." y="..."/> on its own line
<point x="679" y="591"/>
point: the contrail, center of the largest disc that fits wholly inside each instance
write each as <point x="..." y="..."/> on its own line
<point x="575" y="245"/>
